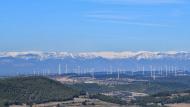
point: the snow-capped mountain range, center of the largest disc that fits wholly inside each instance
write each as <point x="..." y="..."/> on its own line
<point x="90" y="55"/>
<point x="27" y="62"/>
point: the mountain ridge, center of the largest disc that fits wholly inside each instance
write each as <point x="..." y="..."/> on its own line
<point x="90" y="55"/>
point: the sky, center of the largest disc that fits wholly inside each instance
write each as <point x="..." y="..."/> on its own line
<point x="94" y="25"/>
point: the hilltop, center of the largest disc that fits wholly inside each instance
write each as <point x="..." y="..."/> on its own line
<point x="31" y="90"/>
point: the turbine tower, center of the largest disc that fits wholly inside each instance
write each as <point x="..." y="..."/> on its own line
<point x="154" y="76"/>
<point x="111" y="69"/>
<point x="48" y="72"/>
<point x="34" y="72"/>
<point x="151" y="75"/>
<point x="78" y="70"/>
<point x="143" y="71"/>
<point x="59" y="72"/>
<point x="175" y="71"/>
<point x="161" y="71"/>
<point x="66" y="69"/>
<point x="166" y="70"/>
<point x="118" y="75"/>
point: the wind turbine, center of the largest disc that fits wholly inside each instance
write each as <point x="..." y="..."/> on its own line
<point x="172" y="70"/>
<point x="161" y="71"/>
<point x="78" y="70"/>
<point x="34" y="72"/>
<point x="154" y="76"/>
<point x="66" y="69"/>
<point x="166" y="70"/>
<point x="143" y="71"/>
<point x="175" y="71"/>
<point x="48" y="71"/>
<point x="59" y="72"/>
<point x="111" y="69"/>
<point x="151" y="73"/>
<point x="118" y="75"/>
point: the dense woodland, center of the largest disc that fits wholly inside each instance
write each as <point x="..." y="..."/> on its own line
<point x="110" y="99"/>
<point x="163" y="98"/>
<point x="31" y="90"/>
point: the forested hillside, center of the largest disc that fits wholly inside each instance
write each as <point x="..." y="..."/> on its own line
<point x="33" y="90"/>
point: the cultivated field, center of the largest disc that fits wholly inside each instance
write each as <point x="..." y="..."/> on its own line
<point x="179" y="105"/>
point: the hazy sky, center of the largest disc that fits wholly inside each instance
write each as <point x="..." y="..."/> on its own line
<point x="94" y="25"/>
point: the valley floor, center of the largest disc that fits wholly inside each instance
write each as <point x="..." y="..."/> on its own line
<point x="77" y="102"/>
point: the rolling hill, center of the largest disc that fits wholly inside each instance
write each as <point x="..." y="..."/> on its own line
<point x="31" y="90"/>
